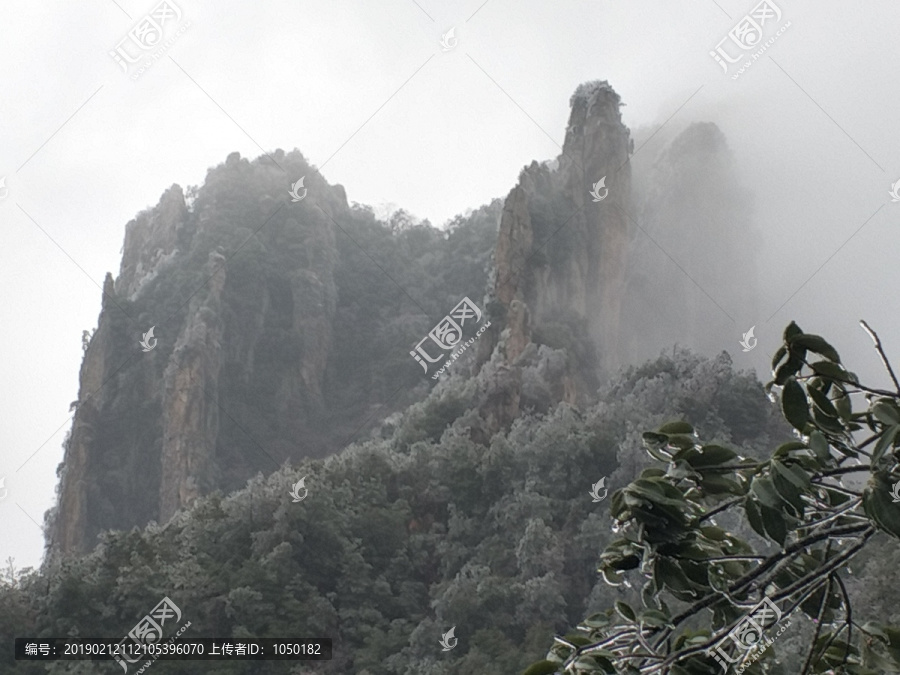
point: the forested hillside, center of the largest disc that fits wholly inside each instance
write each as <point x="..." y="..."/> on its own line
<point x="540" y="500"/>
<point x="404" y="535"/>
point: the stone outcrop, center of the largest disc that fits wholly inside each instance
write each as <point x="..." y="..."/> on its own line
<point x="190" y="415"/>
<point x="561" y="256"/>
<point x="590" y="281"/>
<point x="234" y="378"/>
<point x="267" y="313"/>
<point x="152" y="240"/>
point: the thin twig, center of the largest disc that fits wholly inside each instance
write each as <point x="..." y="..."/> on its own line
<point x="841" y="513"/>
<point x="845" y="469"/>
<point x="720" y="508"/>
<point x="836" y="488"/>
<point x="723" y="557"/>
<point x="812" y="646"/>
<point x="834" y="563"/>
<point x="803" y="598"/>
<point x="770" y="562"/>
<point x="734" y="467"/>
<point x="847" y="620"/>
<point x="881" y="353"/>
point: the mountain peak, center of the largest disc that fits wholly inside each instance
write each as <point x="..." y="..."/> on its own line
<point x="588" y="93"/>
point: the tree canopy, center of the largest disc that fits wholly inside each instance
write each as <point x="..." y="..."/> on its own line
<point x="703" y="585"/>
<point x="419" y="528"/>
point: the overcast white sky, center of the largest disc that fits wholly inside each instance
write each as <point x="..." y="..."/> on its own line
<point x="365" y="91"/>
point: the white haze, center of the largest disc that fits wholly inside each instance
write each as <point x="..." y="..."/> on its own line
<point x="365" y="92"/>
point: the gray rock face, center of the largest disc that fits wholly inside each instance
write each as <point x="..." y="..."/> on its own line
<point x="561" y="256"/>
<point x="154" y="430"/>
<point x="266" y="311"/>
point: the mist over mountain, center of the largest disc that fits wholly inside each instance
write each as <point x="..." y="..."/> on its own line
<point x="285" y="329"/>
<point x="693" y="261"/>
<point x="449" y="402"/>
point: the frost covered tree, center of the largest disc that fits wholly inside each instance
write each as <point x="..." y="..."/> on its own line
<point x="710" y="599"/>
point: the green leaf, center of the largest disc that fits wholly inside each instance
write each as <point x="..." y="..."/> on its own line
<point x="765" y="492"/>
<point x="885" y="442"/>
<point x="713" y="532"/>
<point x="657" y="491"/>
<point x="819" y="446"/>
<point x="844" y="406"/>
<point x="775" y="525"/>
<point x="658" y="454"/>
<point x="617" y="504"/>
<point x="716" y="485"/>
<point x="836" y="498"/>
<point x="893" y="636"/>
<point x="671" y="575"/>
<point x="822" y="401"/>
<point x="653" y="439"/>
<point x="662" y="523"/>
<point x="624" y="610"/>
<point x="789" y="493"/>
<point x="784" y="449"/>
<point x="833" y="371"/>
<point x="794" y="404"/>
<point x="676" y="428"/>
<point x="577" y="640"/>
<point x="711" y="455"/>
<point x="678" y="469"/>
<point x="885" y="665"/>
<point x="875" y="629"/>
<point x="886" y="413"/>
<point x="817" y="344"/>
<point x="792" y="330"/>
<point x="654" y="618"/>
<point x="682" y="442"/>
<point x="878" y="505"/>
<point x="826" y="422"/>
<point x="612" y="577"/>
<point x="780" y="354"/>
<point x="754" y="517"/>
<point x="627" y="562"/>
<point x="790" y="368"/>
<point x="589" y="663"/>
<point x="544" y="667"/>
<point x="792" y="473"/>
<point x="598" y="620"/>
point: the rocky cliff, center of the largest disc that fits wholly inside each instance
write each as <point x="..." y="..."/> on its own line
<point x="562" y="253"/>
<point x="154" y="428"/>
<point x="282" y="329"/>
<point x="279" y="333"/>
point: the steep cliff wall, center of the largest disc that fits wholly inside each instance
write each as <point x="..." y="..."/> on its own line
<point x="279" y="335"/>
<point x="282" y="329"/>
<point x="561" y="255"/>
<point x="280" y="332"/>
<point x="241" y="295"/>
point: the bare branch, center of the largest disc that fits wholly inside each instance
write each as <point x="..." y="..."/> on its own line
<point x="812" y="645"/>
<point x="834" y="563"/>
<point x="721" y="507"/>
<point x="845" y="469"/>
<point x="848" y="623"/>
<point x="881" y="353"/>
